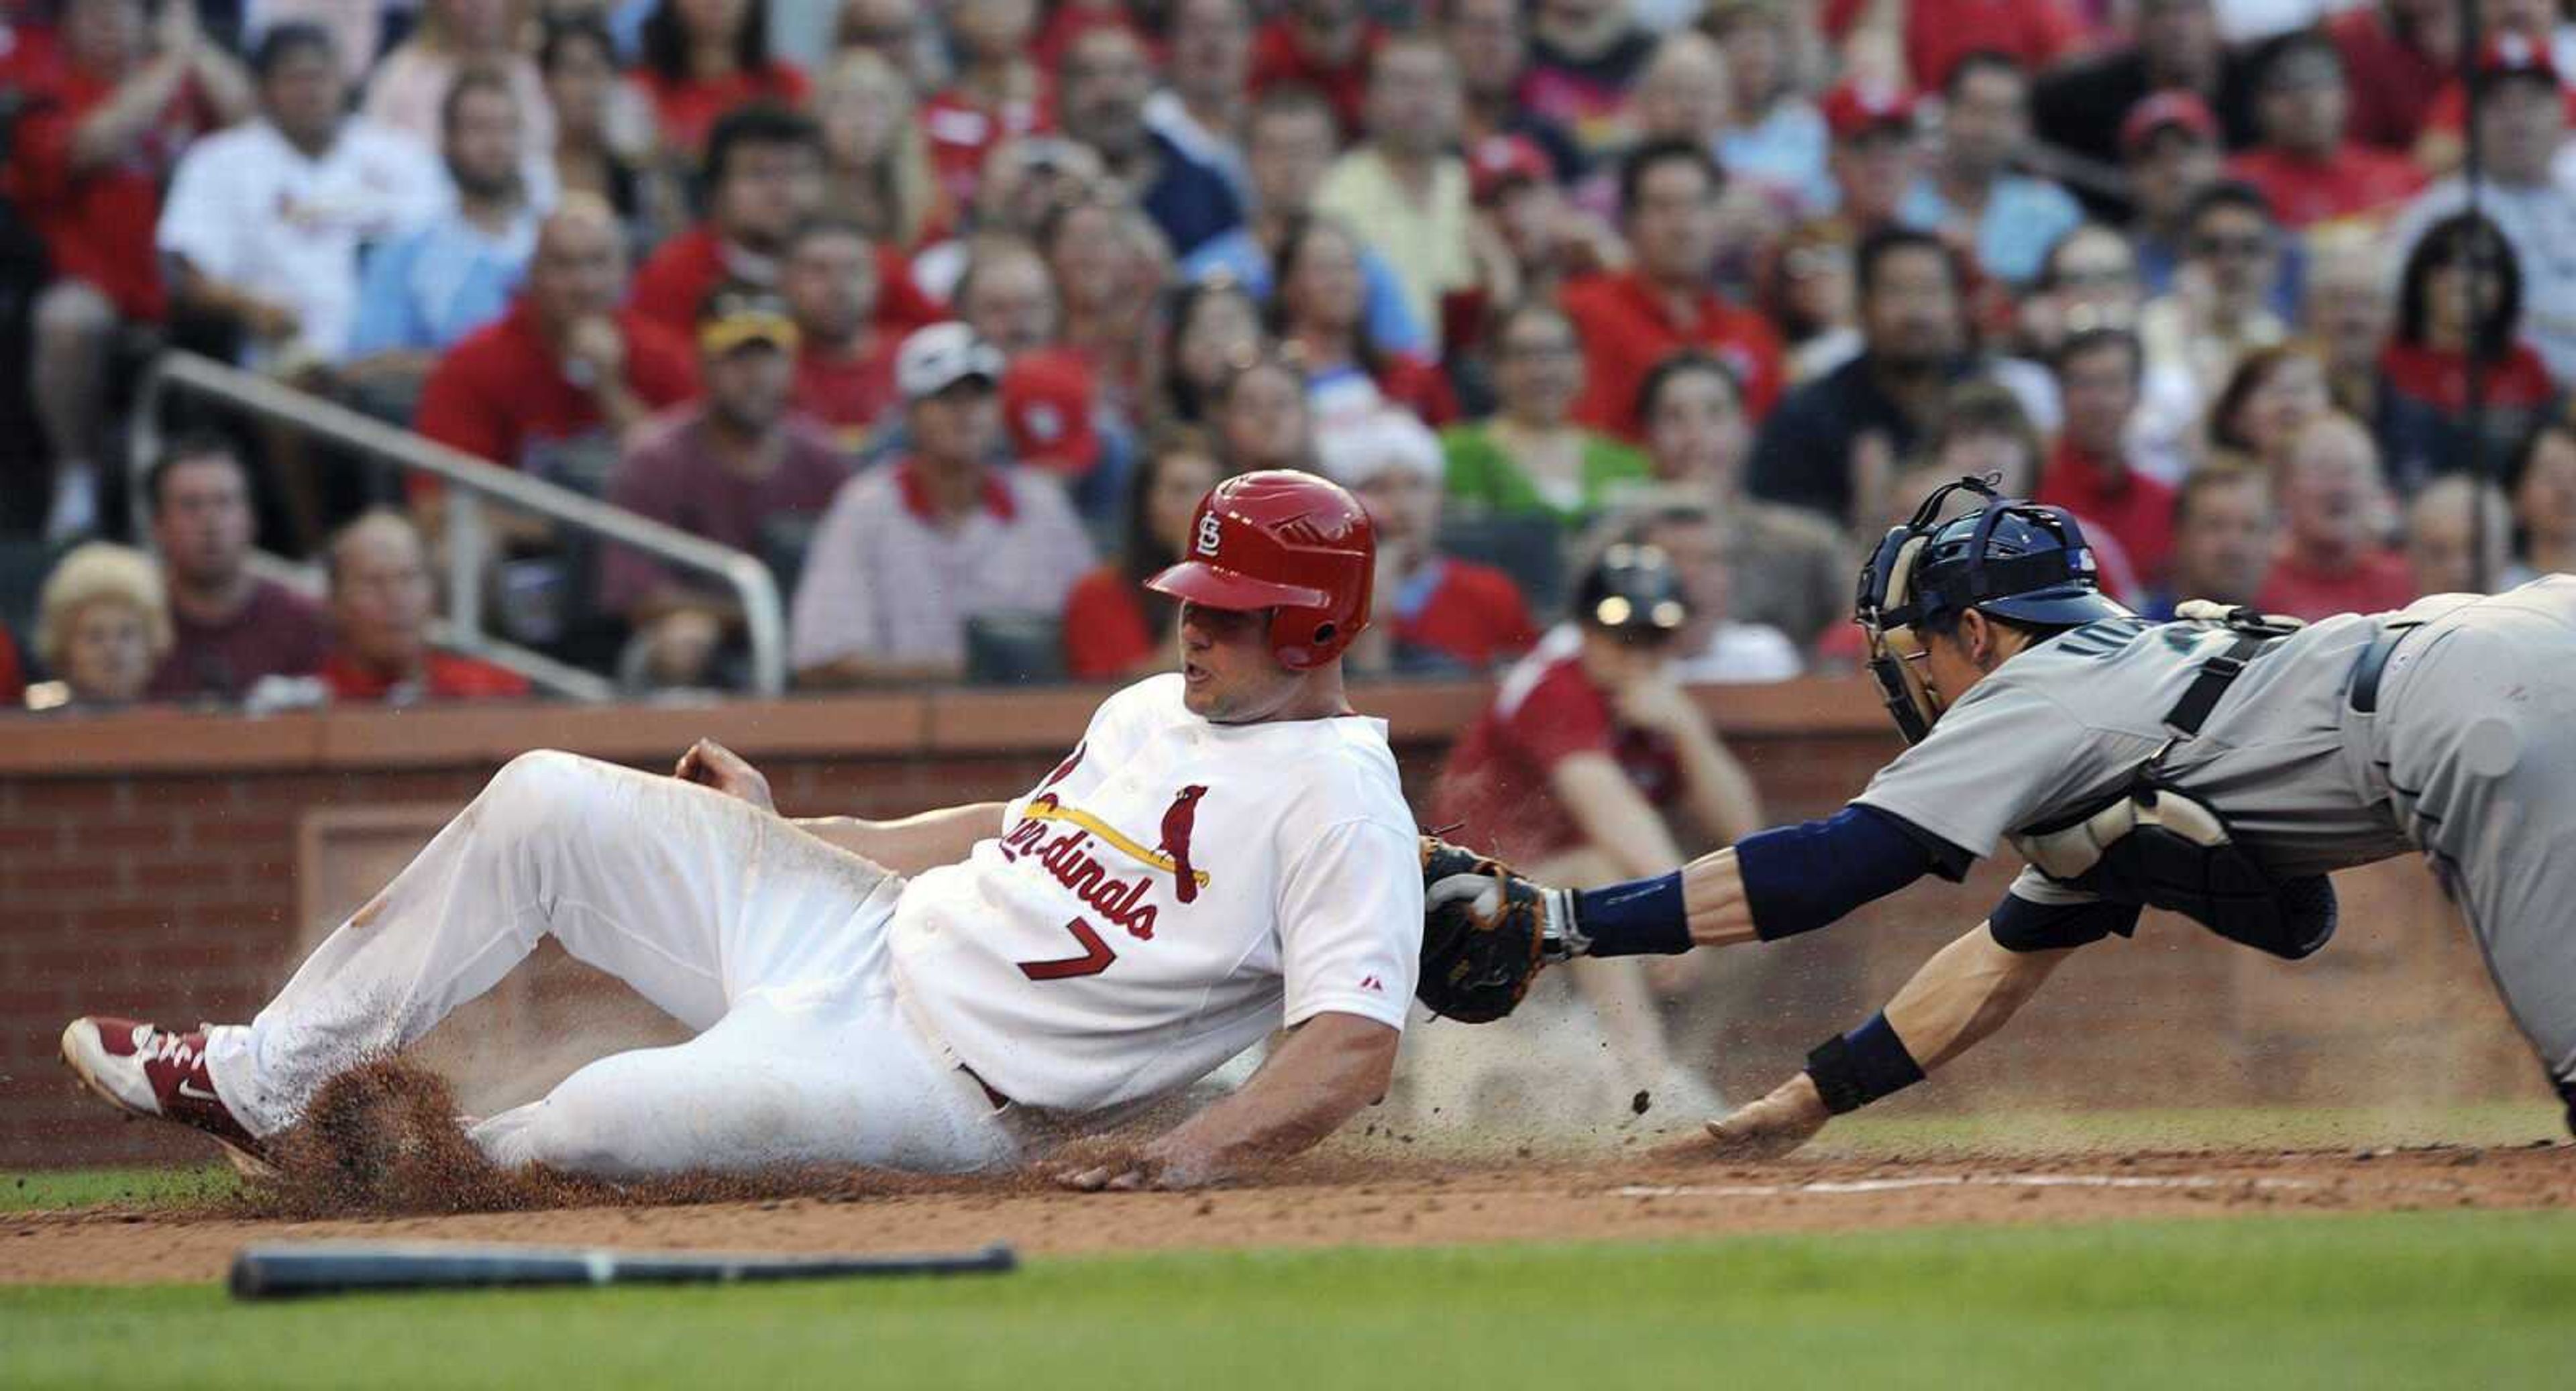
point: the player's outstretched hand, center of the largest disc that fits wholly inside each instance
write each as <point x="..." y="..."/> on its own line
<point x="711" y="764"/>
<point x="1129" y="1166"/>
<point x="1770" y="1128"/>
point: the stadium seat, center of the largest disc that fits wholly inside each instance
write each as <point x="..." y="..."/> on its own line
<point x="1004" y="649"/>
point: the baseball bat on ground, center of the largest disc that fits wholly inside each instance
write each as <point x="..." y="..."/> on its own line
<point x="292" y="1269"/>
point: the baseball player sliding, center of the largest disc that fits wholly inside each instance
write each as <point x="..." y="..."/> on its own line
<point x="1225" y="853"/>
<point x="2219" y="766"/>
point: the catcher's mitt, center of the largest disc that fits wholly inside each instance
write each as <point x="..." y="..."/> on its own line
<point x="1485" y="933"/>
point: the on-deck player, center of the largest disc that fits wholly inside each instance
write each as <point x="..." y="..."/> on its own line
<point x="2220" y="766"/>
<point x="1227" y="851"/>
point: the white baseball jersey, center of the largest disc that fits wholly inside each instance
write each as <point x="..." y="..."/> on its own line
<point x="1174" y="891"/>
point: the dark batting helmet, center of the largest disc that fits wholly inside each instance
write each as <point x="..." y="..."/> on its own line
<point x="1633" y="591"/>
<point x="2009" y="559"/>
<point x="1289" y="542"/>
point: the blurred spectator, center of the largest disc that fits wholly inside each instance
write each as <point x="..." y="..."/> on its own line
<point x="1941" y="36"/>
<point x="1318" y="316"/>
<point x="1434" y="613"/>
<point x="1106" y="309"/>
<point x="2333" y="558"/>
<point x="1401" y="189"/>
<point x="1106" y="77"/>
<point x="1210" y="327"/>
<point x="1830" y="439"/>
<point x="2536" y="26"/>
<point x="224" y="627"/>
<point x="1775" y="138"/>
<point x="2348" y="307"/>
<point x="2522" y="128"/>
<point x="1807" y="293"/>
<point x="1323" y="45"/>
<point x="2224" y="534"/>
<point x="1200" y="109"/>
<point x="2170" y="153"/>
<point x="1970" y="193"/>
<point x="910" y="551"/>
<point x="2273" y="395"/>
<point x="2078" y="107"/>
<point x="1114" y="627"/>
<point x="422" y="292"/>
<point x="1589" y="745"/>
<point x="2396" y="56"/>
<point x="1007" y="295"/>
<point x="2542" y="484"/>
<point x="98" y="129"/>
<point x="2452" y="549"/>
<point x="1531" y="458"/>
<point x="1630" y="320"/>
<point x="2305" y="167"/>
<point x="995" y="95"/>
<point x="578" y="61"/>
<point x="381" y="598"/>
<point x="2218" y="309"/>
<point x="1489" y="43"/>
<point x="1681" y="92"/>
<point x="1584" y="60"/>
<point x="1262" y="417"/>
<point x="264" y="222"/>
<point x="1289" y="149"/>
<point x="764" y="178"/>
<point x="360" y="31"/>
<point x="704" y="58"/>
<point x="876" y="164"/>
<point x="732" y="468"/>
<point x="1713" y="647"/>
<point x="100" y="627"/>
<point x="409" y="90"/>
<point x="566" y="366"/>
<point x="2099" y="376"/>
<point x="2426" y="363"/>
<point x="1877" y="155"/>
<point x="844" y="362"/>
<point x="1789" y="568"/>
<point x="1545" y="239"/>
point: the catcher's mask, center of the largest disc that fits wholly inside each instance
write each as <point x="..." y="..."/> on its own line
<point x="2009" y="558"/>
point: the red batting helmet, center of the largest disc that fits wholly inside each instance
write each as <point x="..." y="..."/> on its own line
<point x="1288" y="541"/>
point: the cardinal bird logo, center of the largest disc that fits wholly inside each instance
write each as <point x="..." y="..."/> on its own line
<point x="1065" y="769"/>
<point x="1176" y="841"/>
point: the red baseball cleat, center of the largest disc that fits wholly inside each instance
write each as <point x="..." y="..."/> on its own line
<point x="145" y="1070"/>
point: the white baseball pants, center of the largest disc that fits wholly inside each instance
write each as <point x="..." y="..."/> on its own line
<point x="769" y="941"/>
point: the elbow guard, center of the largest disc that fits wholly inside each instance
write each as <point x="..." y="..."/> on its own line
<point x="1800" y="878"/>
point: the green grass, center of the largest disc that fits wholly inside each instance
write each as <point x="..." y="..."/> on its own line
<point x="56" y="1188"/>
<point x="2450" y="1299"/>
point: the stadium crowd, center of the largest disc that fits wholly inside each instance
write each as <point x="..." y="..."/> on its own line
<point x="950" y="311"/>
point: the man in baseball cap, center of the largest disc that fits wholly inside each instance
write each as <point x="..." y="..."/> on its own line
<point x="730" y="467"/>
<point x="944" y="533"/>
<point x="1876" y="155"/>
<point x="2169" y="143"/>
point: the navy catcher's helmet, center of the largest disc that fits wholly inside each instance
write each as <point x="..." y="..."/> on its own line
<point x="2010" y="559"/>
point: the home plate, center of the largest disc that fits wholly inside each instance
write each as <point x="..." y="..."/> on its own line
<point x="1899" y="1185"/>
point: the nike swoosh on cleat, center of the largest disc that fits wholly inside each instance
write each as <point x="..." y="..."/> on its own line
<point x="194" y="1093"/>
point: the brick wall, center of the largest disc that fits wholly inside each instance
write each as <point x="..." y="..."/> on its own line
<point x="149" y="864"/>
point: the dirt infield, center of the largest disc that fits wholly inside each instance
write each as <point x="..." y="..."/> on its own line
<point x="1391" y="1202"/>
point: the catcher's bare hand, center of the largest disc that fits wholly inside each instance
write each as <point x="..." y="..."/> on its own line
<point x="1131" y="1166"/>
<point x="1770" y="1128"/>
<point x="711" y="764"/>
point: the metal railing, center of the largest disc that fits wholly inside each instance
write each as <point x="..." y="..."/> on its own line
<point x="471" y="485"/>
